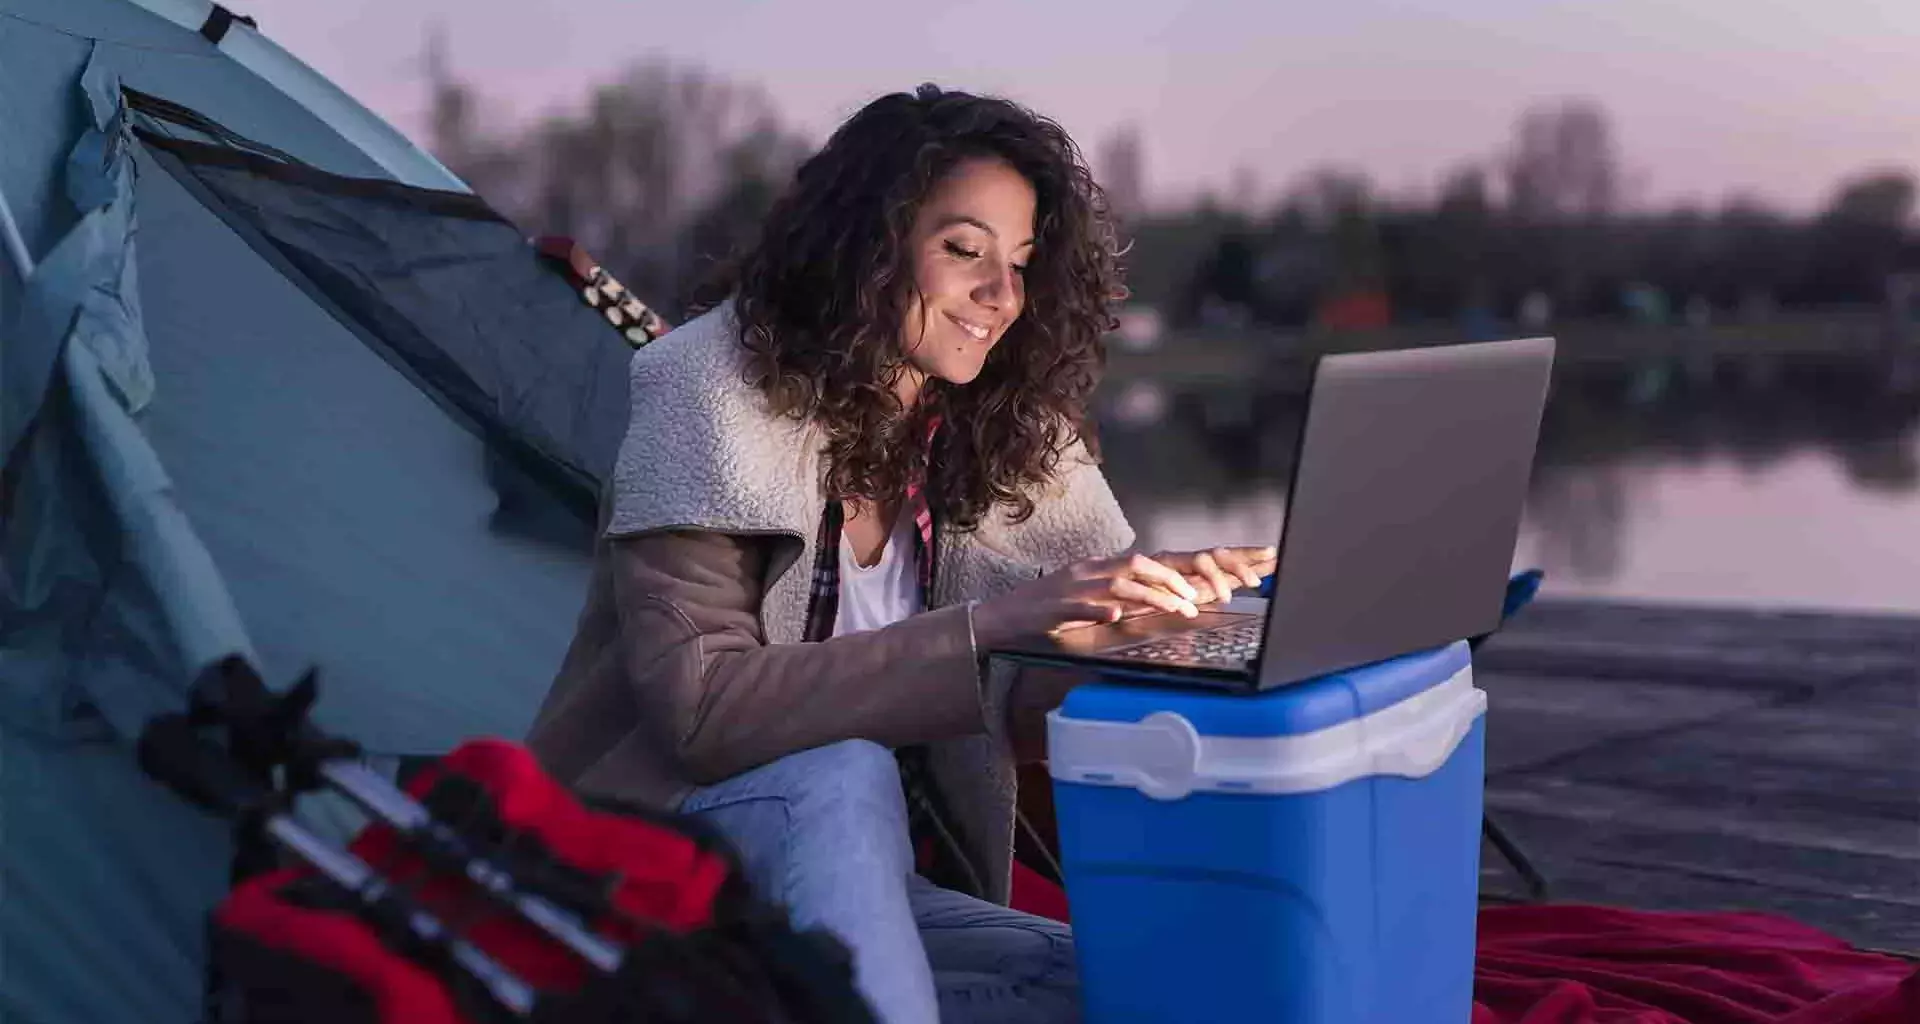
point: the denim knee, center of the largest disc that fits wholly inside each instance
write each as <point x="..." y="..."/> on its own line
<point x="846" y="755"/>
<point x="851" y="770"/>
<point x="859" y="770"/>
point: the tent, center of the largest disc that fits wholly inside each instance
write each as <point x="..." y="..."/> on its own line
<point x="273" y="385"/>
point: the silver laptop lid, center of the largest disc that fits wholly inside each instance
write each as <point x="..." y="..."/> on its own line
<point x="1405" y="506"/>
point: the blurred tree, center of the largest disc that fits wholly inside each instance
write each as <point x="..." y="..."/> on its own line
<point x="1326" y="196"/>
<point x="1563" y="185"/>
<point x="1675" y="253"/>
<point x="1883" y="200"/>
<point x="1563" y="163"/>
<point x="1858" y="242"/>
<point x="1121" y="168"/>
<point x="1757" y="255"/>
<point x="662" y="173"/>
<point x="1162" y="254"/>
<point x="455" y="137"/>
<point x="1224" y="281"/>
<point x="1293" y="269"/>
<point x="755" y="168"/>
<point x="1441" y="262"/>
<point x="1341" y="205"/>
<point x="1195" y="262"/>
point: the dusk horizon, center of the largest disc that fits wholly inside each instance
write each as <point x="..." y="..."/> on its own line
<point x="1763" y="101"/>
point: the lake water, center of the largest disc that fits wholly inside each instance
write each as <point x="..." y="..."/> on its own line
<point x="1788" y="484"/>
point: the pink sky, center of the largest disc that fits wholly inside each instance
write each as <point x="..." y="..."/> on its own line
<point x="1774" y="97"/>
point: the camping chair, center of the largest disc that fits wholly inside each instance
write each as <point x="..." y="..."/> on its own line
<point x="1521" y="590"/>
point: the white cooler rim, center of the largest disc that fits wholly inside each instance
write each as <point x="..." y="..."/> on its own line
<point x="1166" y="758"/>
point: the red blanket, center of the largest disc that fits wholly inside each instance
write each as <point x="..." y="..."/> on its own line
<point x="1566" y="964"/>
<point x="1570" y="964"/>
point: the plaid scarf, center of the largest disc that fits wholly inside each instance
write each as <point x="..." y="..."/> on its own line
<point x="942" y="856"/>
<point x="823" y="606"/>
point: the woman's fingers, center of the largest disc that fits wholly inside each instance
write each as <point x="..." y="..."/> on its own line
<point x="1247" y="564"/>
<point x="1079" y="614"/>
<point x="1218" y="572"/>
<point x="1156" y="573"/>
<point x="1132" y="590"/>
<point x="1258" y="562"/>
<point x="1209" y="564"/>
<point x="1177" y="582"/>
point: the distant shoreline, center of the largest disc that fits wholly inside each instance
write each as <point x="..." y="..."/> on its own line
<point x="1203" y="355"/>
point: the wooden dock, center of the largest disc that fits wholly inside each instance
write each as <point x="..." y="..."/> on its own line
<point x="1680" y="758"/>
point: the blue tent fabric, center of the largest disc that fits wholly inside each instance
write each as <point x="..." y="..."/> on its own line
<point x="110" y="603"/>
<point x="107" y="883"/>
<point x="445" y="290"/>
<point x="156" y="611"/>
<point x="93" y="254"/>
<point x="353" y="519"/>
<point x="45" y="45"/>
<point x="206" y="452"/>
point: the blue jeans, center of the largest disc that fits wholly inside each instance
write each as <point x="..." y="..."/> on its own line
<point x="824" y="832"/>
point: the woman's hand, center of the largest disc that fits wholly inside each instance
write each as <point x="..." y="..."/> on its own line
<point x="1218" y="572"/>
<point x="1109" y="589"/>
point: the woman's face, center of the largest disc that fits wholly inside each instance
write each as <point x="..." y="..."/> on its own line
<point x="969" y="251"/>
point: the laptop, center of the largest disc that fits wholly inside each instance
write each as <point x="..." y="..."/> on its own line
<point x="1408" y="484"/>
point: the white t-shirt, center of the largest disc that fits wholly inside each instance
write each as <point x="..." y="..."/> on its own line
<point x="885" y="592"/>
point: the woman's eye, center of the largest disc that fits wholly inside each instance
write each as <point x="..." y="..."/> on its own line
<point x="962" y="251"/>
<point x="1020" y="268"/>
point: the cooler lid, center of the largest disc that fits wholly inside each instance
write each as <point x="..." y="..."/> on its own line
<point x="1303" y="739"/>
<point x="1288" y="711"/>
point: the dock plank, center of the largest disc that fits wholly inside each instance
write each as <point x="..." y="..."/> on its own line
<point x="1681" y="767"/>
<point x="1708" y="759"/>
<point x="1865" y="922"/>
<point x="1786" y="830"/>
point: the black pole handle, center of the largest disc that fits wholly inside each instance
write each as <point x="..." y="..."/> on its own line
<point x="179" y="756"/>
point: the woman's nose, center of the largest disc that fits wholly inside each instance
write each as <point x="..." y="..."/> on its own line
<point x="996" y="287"/>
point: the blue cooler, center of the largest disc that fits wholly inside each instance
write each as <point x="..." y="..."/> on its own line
<point x="1306" y="855"/>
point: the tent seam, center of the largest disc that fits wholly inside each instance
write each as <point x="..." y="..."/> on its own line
<point x="57" y="30"/>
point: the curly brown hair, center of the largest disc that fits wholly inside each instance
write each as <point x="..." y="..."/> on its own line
<point x="820" y="299"/>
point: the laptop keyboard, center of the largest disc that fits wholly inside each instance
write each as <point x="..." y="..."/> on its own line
<point x="1230" y="646"/>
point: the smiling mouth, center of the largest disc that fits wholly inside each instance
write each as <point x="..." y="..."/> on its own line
<point x="979" y="333"/>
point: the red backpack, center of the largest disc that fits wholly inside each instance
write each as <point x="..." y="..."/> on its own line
<point x="483" y="892"/>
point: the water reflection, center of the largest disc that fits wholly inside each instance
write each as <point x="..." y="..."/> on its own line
<point x="1755" y="412"/>
<point x="1627" y="449"/>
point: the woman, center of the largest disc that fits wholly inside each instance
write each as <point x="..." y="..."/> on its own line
<point x="839" y="487"/>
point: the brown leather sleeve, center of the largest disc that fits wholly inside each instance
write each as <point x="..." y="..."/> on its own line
<point x="699" y="664"/>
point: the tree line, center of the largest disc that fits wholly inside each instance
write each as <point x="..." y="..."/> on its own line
<point x="1542" y="231"/>
<point x="664" y="172"/>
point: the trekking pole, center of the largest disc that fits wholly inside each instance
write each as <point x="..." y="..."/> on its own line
<point x="174" y="753"/>
<point x="275" y="730"/>
<point x="375" y="894"/>
<point x="412" y="821"/>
